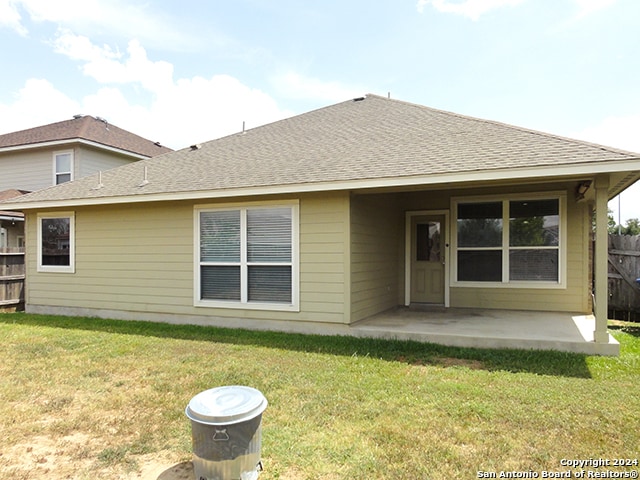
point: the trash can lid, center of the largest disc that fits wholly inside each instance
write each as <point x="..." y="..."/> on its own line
<point x="226" y="405"/>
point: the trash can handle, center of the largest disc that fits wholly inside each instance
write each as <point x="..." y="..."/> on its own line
<point x="221" y="435"/>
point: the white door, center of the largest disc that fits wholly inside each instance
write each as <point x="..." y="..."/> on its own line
<point x="428" y="259"/>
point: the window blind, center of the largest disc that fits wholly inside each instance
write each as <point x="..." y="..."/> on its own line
<point x="246" y="255"/>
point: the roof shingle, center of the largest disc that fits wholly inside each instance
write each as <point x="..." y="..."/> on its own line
<point x="86" y="128"/>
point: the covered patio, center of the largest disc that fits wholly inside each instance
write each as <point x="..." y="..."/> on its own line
<point x="483" y="328"/>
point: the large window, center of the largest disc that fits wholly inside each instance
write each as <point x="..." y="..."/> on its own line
<point x="62" y="167"/>
<point x="508" y="241"/>
<point x="56" y="244"/>
<point x="247" y="257"/>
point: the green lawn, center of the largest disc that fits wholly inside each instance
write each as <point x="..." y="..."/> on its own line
<point x="91" y="399"/>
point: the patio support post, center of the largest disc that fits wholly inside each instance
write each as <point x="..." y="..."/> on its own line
<point x="601" y="256"/>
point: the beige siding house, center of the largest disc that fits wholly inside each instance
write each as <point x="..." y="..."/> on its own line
<point x="323" y="221"/>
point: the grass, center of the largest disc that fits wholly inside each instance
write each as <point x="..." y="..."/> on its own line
<point x="90" y="398"/>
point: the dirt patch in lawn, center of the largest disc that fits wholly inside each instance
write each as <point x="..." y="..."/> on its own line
<point x="70" y="457"/>
<point x="459" y="362"/>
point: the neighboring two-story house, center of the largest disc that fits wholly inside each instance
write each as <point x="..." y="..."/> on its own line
<point x="44" y="156"/>
<point x="49" y="155"/>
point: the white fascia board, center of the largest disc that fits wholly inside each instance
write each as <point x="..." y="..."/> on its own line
<point x="459" y="178"/>
<point x="66" y="142"/>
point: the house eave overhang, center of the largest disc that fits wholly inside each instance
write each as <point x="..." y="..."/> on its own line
<point x="71" y="141"/>
<point x="456" y="179"/>
<point x="9" y="217"/>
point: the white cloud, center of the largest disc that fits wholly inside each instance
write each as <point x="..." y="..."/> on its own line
<point x="105" y="66"/>
<point x="11" y="18"/>
<point x="177" y="113"/>
<point x="472" y="9"/>
<point x="78" y="47"/>
<point x="37" y="103"/>
<point x="295" y="86"/>
<point x="120" y="17"/>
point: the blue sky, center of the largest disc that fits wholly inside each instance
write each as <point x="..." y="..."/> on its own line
<point x="182" y="72"/>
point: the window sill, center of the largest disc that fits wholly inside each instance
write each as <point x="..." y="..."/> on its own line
<point x="521" y="285"/>
<point x="275" y="307"/>
<point x="42" y="269"/>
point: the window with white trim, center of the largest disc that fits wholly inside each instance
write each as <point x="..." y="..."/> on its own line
<point x="247" y="257"/>
<point x="508" y="240"/>
<point x="62" y="167"/>
<point x="56" y="243"/>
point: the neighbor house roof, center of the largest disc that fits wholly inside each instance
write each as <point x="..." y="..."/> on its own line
<point x="7" y="195"/>
<point x="369" y="142"/>
<point x="82" y="128"/>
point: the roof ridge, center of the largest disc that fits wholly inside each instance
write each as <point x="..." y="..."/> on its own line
<point x="84" y="126"/>
<point x="574" y="141"/>
<point x="275" y="122"/>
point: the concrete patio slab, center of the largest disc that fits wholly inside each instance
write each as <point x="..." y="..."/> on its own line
<point x="479" y="328"/>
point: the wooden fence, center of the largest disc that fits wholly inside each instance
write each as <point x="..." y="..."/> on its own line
<point x="12" y="276"/>
<point x="624" y="269"/>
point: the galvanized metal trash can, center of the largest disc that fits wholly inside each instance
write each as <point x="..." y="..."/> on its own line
<point x="226" y="427"/>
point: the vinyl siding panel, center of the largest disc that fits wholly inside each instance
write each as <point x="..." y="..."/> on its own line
<point x="90" y="161"/>
<point x="31" y="170"/>
<point x="324" y="269"/>
<point x="130" y="259"/>
<point x="376" y="235"/>
<point x="141" y="259"/>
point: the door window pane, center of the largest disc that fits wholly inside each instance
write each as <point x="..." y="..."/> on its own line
<point x="428" y="242"/>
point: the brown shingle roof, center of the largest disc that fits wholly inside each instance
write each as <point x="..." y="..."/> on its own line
<point x="86" y="128"/>
<point x="7" y="195"/>
<point x="360" y="143"/>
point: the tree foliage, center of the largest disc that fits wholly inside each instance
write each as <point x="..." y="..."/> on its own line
<point x="631" y="227"/>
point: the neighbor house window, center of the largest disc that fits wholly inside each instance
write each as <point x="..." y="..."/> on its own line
<point x="508" y="241"/>
<point x="56" y="244"/>
<point x="63" y="167"/>
<point x="247" y="257"/>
